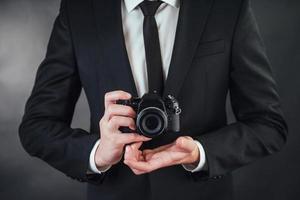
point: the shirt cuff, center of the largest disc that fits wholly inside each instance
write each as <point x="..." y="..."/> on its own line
<point x="202" y="162"/>
<point x="92" y="165"/>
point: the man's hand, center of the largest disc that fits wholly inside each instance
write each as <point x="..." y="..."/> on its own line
<point x="183" y="151"/>
<point x="112" y="142"/>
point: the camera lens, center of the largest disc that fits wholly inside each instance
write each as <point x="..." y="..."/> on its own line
<point x="152" y="122"/>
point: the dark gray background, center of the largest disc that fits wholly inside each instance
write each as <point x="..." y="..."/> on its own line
<point x="25" y="26"/>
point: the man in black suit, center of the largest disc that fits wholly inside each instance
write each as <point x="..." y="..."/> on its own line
<point x="199" y="50"/>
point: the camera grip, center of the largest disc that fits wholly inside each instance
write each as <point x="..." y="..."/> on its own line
<point x="125" y="129"/>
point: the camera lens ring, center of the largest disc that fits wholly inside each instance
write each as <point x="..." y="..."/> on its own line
<point x="151" y="111"/>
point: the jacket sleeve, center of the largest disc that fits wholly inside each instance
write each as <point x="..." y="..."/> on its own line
<point x="260" y="129"/>
<point x="45" y="130"/>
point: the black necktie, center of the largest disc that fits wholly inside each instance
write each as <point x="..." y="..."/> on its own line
<point x="152" y="47"/>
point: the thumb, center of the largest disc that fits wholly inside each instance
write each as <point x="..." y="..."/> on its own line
<point x="186" y="143"/>
<point x="136" y="146"/>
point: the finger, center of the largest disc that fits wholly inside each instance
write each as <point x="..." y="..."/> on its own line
<point x="148" y="153"/>
<point x="170" y="158"/>
<point x="136" y="146"/>
<point x="142" y="166"/>
<point x="119" y="110"/>
<point x="158" y="149"/>
<point x="151" y="165"/>
<point x="185" y="143"/>
<point x="135" y="171"/>
<point x="117" y="121"/>
<point x="148" y="156"/>
<point x="141" y="157"/>
<point x="112" y="97"/>
<point x="133" y="154"/>
<point x="163" y="159"/>
<point x="129" y="154"/>
<point x="128" y="138"/>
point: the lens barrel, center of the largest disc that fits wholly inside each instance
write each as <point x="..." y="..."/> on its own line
<point x="152" y="122"/>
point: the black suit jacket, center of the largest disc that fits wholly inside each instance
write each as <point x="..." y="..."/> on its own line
<point x="217" y="49"/>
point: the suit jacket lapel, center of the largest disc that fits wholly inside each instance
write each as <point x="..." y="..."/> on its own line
<point x="191" y="23"/>
<point x="114" y="58"/>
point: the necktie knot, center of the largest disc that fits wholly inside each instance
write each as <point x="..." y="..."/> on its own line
<point x="149" y="8"/>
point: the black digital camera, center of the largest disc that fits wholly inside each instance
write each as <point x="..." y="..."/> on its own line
<point x="155" y="115"/>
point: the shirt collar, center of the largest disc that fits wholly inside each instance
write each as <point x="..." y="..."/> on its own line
<point x="132" y="4"/>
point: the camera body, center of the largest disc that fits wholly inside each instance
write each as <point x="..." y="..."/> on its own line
<point x="155" y="115"/>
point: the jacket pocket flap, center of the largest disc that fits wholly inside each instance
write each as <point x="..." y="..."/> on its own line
<point x="210" y="48"/>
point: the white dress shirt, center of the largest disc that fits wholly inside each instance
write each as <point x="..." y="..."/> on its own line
<point x="166" y="19"/>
